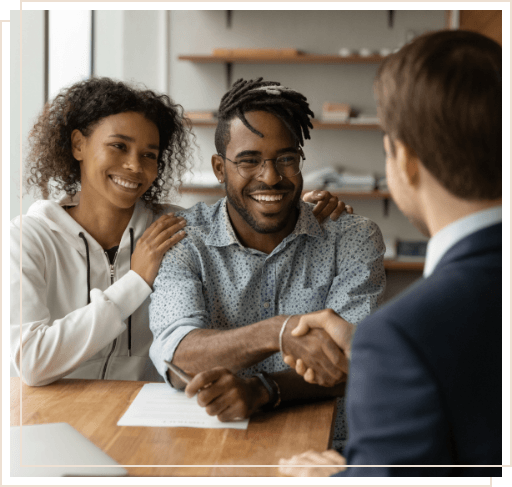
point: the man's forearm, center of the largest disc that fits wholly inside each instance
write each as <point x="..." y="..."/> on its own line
<point x="234" y="349"/>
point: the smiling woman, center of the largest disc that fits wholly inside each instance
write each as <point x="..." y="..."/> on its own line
<point x="118" y="163"/>
<point x="89" y="260"/>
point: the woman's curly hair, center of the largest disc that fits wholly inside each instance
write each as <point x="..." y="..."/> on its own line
<point x="84" y="105"/>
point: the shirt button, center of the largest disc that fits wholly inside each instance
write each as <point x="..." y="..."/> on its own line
<point x="266" y="305"/>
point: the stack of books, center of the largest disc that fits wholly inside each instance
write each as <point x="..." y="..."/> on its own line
<point x="411" y="250"/>
<point x="364" y="119"/>
<point x="331" y="179"/>
<point x="382" y="184"/>
<point x="336" y="112"/>
<point x="256" y="52"/>
<point x="204" y="116"/>
<point x="321" y="178"/>
<point x="356" y="182"/>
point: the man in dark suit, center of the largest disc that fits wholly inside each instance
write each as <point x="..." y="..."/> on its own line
<point x="424" y="384"/>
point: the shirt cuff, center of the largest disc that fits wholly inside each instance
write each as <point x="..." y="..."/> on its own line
<point x="128" y="293"/>
<point x="165" y="349"/>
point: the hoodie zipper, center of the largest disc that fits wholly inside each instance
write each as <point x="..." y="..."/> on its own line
<point x="115" y="339"/>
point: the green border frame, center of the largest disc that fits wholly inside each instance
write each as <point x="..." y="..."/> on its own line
<point x="8" y="5"/>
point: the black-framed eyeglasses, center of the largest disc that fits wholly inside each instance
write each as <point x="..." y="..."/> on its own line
<point x="287" y="165"/>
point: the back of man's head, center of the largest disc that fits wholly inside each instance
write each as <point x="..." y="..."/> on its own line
<point x="441" y="96"/>
<point x="289" y="106"/>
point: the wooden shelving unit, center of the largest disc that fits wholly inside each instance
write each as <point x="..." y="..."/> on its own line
<point x="353" y="195"/>
<point x="228" y="61"/>
<point x="396" y="265"/>
<point x="383" y="196"/>
<point x="317" y="124"/>
<point x="361" y="195"/>
<point x="320" y="125"/>
<point x="299" y="59"/>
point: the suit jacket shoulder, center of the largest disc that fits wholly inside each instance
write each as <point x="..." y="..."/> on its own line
<point x="442" y="340"/>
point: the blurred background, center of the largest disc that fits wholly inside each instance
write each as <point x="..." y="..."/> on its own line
<point x="194" y="55"/>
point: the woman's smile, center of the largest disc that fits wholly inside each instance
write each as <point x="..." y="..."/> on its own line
<point x="125" y="183"/>
<point x="119" y="159"/>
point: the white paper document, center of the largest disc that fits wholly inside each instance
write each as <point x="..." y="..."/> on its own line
<point x="160" y="405"/>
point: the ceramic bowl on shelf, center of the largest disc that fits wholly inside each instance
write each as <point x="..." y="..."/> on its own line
<point x="365" y="52"/>
<point x="346" y="52"/>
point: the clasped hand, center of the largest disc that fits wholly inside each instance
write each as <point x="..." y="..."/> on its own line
<point x="313" y="464"/>
<point x="307" y="359"/>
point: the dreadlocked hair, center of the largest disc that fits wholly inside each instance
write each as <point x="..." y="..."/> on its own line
<point x="289" y="106"/>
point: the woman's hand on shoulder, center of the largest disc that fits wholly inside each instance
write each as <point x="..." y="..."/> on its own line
<point x="326" y="205"/>
<point x="158" y="238"/>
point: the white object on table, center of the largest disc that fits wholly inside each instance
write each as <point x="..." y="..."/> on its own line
<point x="58" y="450"/>
<point x="159" y="405"/>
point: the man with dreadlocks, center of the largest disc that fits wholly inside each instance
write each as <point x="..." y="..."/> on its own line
<point x="227" y="297"/>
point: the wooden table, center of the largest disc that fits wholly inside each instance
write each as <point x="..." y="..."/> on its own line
<point x="93" y="408"/>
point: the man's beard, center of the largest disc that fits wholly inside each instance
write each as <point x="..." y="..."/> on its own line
<point x="269" y="227"/>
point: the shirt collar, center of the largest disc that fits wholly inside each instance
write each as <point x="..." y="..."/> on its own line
<point x="307" y="224"/>
<point x="447" y="237"/>
<point x="222" y="233"/>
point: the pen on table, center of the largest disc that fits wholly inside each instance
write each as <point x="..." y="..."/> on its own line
<point x="180" y="373"/>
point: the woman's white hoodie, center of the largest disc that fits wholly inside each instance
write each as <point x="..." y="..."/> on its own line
<point x="55" y="333"/>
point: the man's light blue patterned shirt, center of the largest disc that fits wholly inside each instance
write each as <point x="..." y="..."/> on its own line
<point x="210" y="280"/>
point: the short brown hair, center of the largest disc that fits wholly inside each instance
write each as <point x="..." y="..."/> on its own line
<point x="441" y="95"/>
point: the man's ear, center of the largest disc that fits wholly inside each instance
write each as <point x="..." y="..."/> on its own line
<point x="77" y="144"/>
<point x="408" y="163"/>
<point x="218" y="167"/>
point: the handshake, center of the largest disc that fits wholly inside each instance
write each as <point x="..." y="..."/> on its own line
<point x="317" y="345"/>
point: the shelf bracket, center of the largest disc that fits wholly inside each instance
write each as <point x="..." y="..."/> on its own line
<point x="391" y="14"/>
<point x="229" y="74"/>
<point x="229" y="18"/>
<point x="385" y="202"/>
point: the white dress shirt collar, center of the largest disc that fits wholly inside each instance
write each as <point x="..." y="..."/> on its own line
<point x="446" y="238"/>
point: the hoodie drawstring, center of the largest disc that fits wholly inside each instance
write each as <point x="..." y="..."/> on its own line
<point x="130" y="317"/>
<point x="81" y="235"/>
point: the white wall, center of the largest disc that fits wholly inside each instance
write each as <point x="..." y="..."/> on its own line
<point x="108" y="43"/>
<point x="31" y="85"/>
<point x="130" y="45"/>
<point x="27" y="93"/>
